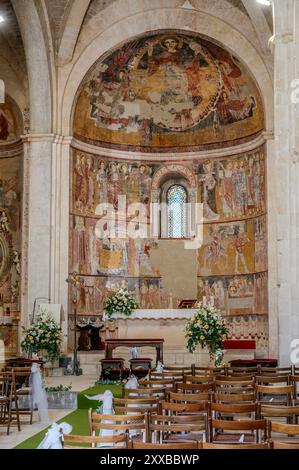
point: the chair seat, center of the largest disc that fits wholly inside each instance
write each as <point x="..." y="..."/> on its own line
<point x="196" y="436"/>
<point x="233" y="438"/>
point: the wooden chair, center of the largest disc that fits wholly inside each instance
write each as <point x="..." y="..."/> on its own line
<point x="23" y="390"/>
<point x="8" y="401"/>
<point x="295" y="370"/>
<point x="267" y="394"/>
<point x="220" y="446"/>
<point x="170" y="409"/>
<point x="284" y="431"/>
<point x="175" y="397"/>
<point x="119" y="423"/>
<point x="145" y="392"/>
<point x="231" y="432"/>
<point x="235" y="379"/>
<point x="244" y="397"/>
<point x="166" y="446"/>
<point x="290" y="413"/>
<point x="136" y="405"/>
<point x="74" y="441"/>
<point x="194" y="388"/>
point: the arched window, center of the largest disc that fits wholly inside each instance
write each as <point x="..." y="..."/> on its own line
<point x="176" y="201"/>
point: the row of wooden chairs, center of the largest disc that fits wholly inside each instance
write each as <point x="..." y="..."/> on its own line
<point x="167" y="419"/>
<point x="227" y="370"/>
<point x="177" y="431"/>
<point x="14" y="384"/>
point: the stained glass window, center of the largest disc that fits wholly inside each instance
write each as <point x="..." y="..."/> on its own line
<point x="176" y="199"/>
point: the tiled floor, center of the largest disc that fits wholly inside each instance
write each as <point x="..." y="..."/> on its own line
<point x="15" y="437"/>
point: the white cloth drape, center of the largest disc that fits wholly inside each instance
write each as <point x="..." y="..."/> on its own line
<point x="54" y="436"/>
<point x="107" y="409"/>
<point x="38" y="395"/>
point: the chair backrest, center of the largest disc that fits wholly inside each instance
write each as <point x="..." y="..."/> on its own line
<point x="197" y="379"/>
<point x="74" y="441"/>
<point x="189" y="397"/>
<point x="282" y="428"/>
<point x="284" y="445"/>
<point x="193" y="388"/>
<point x="234" y="386"/>
<point x="279" y="391"/>
<point x="258" y="426"/>
<point x="144" y="392"/>
<point x="270" y="411"/>
<point x="172" y="445"/>
<point x="172" y="375"/>
<point x="200" y="370"/>
<point x="183" y="369"/>
<point x="234" y="379"/>
<point x="269" y="379"/>
<point x="119" y="423"/>
<point x="171" y="408"/>
<point x="136" y="405"/>
<point x="217" y="409"/>
<point x="219" y="397"/>
<point x="169" y="382"/>
<point x="276" y="370"/>
<point x="247" y="371"/>
<point x="219" y="446"/>
<point x="164" y="425"/>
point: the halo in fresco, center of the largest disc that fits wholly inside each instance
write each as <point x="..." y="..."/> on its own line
<point x="168" y="89"/>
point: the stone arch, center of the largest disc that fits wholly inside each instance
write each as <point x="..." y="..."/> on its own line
<point x="168" y="171"/>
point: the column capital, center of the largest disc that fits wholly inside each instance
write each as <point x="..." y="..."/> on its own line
<point x="38" y="137"/>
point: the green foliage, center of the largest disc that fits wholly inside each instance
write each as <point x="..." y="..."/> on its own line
<point x="207" y="329"/>
<point x="120" y="302"/>
<point x="43" y="335"/>
<point x="59" y="388"/>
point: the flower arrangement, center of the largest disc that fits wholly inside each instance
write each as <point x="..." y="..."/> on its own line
<point x="207" y="329"/>
<point x="43" y="335"/>
<point x="122" y="302"/>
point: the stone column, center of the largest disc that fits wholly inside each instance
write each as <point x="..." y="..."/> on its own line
<point x="285" y="170"/>
<point x="36" y="220"/>
<point x="60" y="225"/>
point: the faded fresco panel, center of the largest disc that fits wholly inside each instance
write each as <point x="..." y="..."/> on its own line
<point x="168" y="90"/>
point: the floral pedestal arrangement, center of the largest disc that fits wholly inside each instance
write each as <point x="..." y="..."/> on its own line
<point x="43" y="338"/>
<point x="207" y="329"/>
<point x="120" y="302"/>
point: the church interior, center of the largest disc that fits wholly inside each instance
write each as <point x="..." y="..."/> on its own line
<point x="149" y="245"/>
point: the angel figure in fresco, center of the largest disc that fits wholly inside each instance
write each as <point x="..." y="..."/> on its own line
<point x="240" y="241"/>
<point x="81" y="183"/>
<point x="144" y="183"/>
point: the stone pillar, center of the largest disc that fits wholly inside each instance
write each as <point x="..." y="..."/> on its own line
<point x="60" y="226"/>
<point x="36" y="220"/>
<point x="45" y="222"/>
<point x="285" y="170"/>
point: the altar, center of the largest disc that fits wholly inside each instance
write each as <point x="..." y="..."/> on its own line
<point x="169" y="324"/>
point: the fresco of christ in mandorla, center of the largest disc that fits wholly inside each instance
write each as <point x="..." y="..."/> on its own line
<point x="168" y="90"/>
